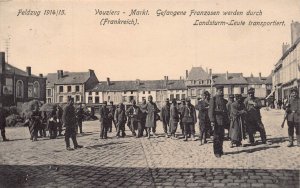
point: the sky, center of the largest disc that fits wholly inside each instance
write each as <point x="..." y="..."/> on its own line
<point x="156" y="47"/>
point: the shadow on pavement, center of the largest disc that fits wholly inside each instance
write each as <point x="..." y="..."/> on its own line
<point x="96" y="176"/>
<point x="250" y="150"/>
<point x="105" y="145"/>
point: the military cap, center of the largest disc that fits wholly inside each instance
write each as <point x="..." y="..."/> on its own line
<point x="188" y="99"/>
<point x="294" y="89"/>
<point x="167" y="100"/>
<point x="219" y="87"/>
<point x="251" y="90"/>
<point x="232" y="96"/>
<point x="206" y="93"/>
<point x="238" y="96"/>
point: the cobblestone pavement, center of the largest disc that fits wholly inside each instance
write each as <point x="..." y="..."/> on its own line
<point x="158" y="162"/>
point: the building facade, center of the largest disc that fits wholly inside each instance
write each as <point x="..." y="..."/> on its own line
<point x="62" y="85"/>
<point x="18" y="86"/>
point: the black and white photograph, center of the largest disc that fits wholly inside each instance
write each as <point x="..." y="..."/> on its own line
<point x="158" y="94"/>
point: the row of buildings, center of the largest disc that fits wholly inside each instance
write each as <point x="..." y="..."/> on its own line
<point x="286" y="73"/>
<point x="19" y="86"/>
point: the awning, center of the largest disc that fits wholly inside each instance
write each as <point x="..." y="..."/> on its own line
<point x="271" y="94"/>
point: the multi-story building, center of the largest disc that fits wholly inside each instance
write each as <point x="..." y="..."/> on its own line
<point x="18" y="86"/>
<point x="286" y="73"/>
<point x="63" y="84"/>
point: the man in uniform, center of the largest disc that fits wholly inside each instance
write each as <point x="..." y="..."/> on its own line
<point x="165" y="117"/>
<point x="143" y="116"/>
<point x="3" y="123"/>
<point x="34" y="123"/>
<point x="174" y="118"/>
<point x="134" y="113"/>
<point x="204" y="123"/>
<point x="120" y="119"/>
<point x="69" y="121"/>
<point x="112" y="109"/>
<point x="253" y="118"/>
<point x="152" y="116"/>
<point x="181" y="106"/>
<point x="217" y="115"/>
<point x="189" y="119"/>
<point x="104" y="120"/>
<point x="59" y="113"/>
<point x="228" y="106"/>
<point x="79" y="117"/>
<point x="293" y="117"/>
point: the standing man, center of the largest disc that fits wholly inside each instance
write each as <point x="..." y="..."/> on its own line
<point x="34" y="123"/>
<point x="189" y="119"/>
<point x="204" y="123"/>
<point x="228" y="106"/>
<point x="143" y="116"/>
<point x="254" y="123"/>
<point x="237" y="125"/>
<point x="152" y="116"/>
<point x="174" y="118"/>
<point x="3" y="124"/>
<point x="69" y="120"/>
<point x="112" y="110"/>
<point x="120" y="119"/>
<point x="52" y="123"/>
<point x="180" y="108"/>
<point x="104" y="120"/>
<point x="79" y="118"/>
<point x="59" y="113"/>
<point x="217" y="115"/>
<point x="165" y="117"/>
<point x="134" y="112"/>
<point x="293" y="117"/>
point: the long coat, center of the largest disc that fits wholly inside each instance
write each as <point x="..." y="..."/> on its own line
<point x="237" y="125"/>
<point x="293" y="110"/>
<point x="217" y="111"/>
<point x="104" y="115"/>
<point x="151" y="110"/>
<point x="189" y="114"/>
<point x="69" y="116"/>
<point x="135" y="113"/>
<point x="253" y="117"/>
<point x="174" y="114"/>
<point x="2" y="118"/>
<point x="119" y="116"/>
<point x="165" y="114"/>
<point x="202" y="107"/>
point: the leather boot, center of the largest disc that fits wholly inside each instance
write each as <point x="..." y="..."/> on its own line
<point x="290" y="141"/>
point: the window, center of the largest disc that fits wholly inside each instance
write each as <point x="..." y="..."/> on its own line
<point x="69" y="88"/>
<point x="144" y="92"/>
<point x="90" y="100"/>
<point x="77" y="88"/>
<point x="36" y="90"/>
<point x="77" y="98"/>
<point x="178" y="97"/>
<point x="182" y="96"/>
<point x="97" y="93"/>
<point x="61" y="88"/>
<point x="60" y="98"/>
<point x="49" y="100"/>
<point x="131" y="92"/>
<point x="30" y="90"/>
<point x="19" y="89"/>
<point x="49" y="92"/>
<point x="193" y="92"/>
<point x="108" y="98"/>
<point x="97" y="99"/>
<point x="90" y="93"/>
<point x="124" y="92"/>
<point x="124" y="98"/>
<point x="171" y="96"/>
<point x="242" y="90"/>
<point x="149" y="92"/>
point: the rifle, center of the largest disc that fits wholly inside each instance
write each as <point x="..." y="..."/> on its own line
<point x="285" y="117"/>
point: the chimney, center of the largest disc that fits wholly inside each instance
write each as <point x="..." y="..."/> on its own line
<point x="91" y="72"/>
<point x="227" y="75"/>
<point x="60" y="74"/>
<point x="138" y="82"/>
<point x="210" y="73"/>
<point x="2" y="62"/>
<point x="28" y="70"/>
<point x="295" y="31"/>
<point x="259" y="74"/>
<point x="41" y="75"/>
<point x="186" y="74"/>
<point x="166" y="80"/>
<point x="285" y="47"/>
<point x="108" y="81"/>
<point x="251" y="75"/>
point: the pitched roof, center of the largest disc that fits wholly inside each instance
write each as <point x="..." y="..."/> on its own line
<point x="10" y="69"/>
<point x="197" y="73"/>
<point x="256" y="80"/>
<point x="233" y="78"/>
<point x="143" y="85"/>
<point x="68" y="78"/>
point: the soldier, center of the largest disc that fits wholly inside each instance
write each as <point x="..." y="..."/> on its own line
<point x="134" y="112"/>
<point x="112" y="109"/>
<point x="217" y="115"/>
<point x="228" y="106"/>
<point x="293" y="116"/>
<point x="3" y="115"/>
<point x="143" y="116"/>
<point x="104" y="120"/>
<point x="69" y="121"/>
<point x="253" y="119"/>
<point x="52" y="123"/>
<point x="120" y="119"/>
<point x="204" y="123"/>
<point x="237" y="125"/>
<point x="34" y="123"/>
<point x="174" y="118"/>
<point x="152" y="116"/>
<point x="79" y="118"/>
<point x="189" y="119"/>
<point x="59" y="113"/>
<point x="181" y="106"/>
<point x="165" y="117"/>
